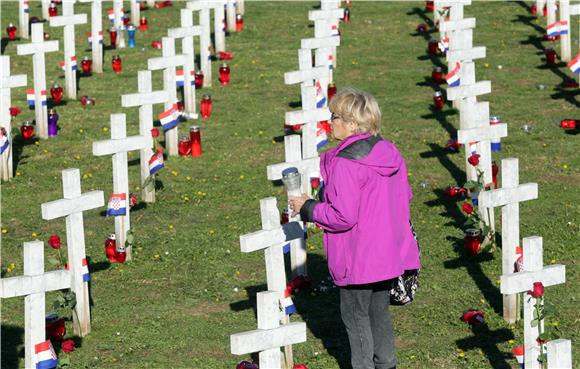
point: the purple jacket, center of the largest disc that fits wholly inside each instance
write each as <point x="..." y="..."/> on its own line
<point x="365" y="212"/>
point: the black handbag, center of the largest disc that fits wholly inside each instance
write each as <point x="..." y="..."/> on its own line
<point x="405" y="286"/>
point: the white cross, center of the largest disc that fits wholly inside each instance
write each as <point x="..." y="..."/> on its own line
<point x="203" y="7"/>
<point x="135" y="12"/>
<point x="231" y="15"/>
<point x="540" y="7"/>
<point x="37" y="48"/>
<point x="7" y="82"/>
<point x="186" y="32"/>
<point x="241" y="7"/>
<point x="466" y="91"/>
<point x="523" y="281"/>
<point x="145" y="99"/>
<point x="68" y="20"/>
<point x="269" y="336"/>
<point x="324" y="22"/>
<point x="96" y="28"/>
<point x="219" y="32"/>
<point x="45" y="5"/>
<point x="72" y="207"/>
<point x="167" y="63"/>
<point x="33" y="285"/>
<point x="508" y="198"/>
<point x="117" y="8"/>
<point x="23" y="17"/>
<point x="118" y="146"/>
<point x="551" y="10"/>
<point x="565" y="12"/>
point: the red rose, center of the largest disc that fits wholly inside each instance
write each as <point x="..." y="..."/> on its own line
<point x="315" y="182"/>
<point x="14" y="111"/>
<point x="538" y="290"/>
<point x="68" y="346"/>
<point x="54" y="242"/>
<point x="540" y="341"/>
<point x="474" y="159"/>
<point x="133" y="201"/>
<point x="300" y="366"/>
<point x="467" y="208"/>
<point x="154" y="132"/>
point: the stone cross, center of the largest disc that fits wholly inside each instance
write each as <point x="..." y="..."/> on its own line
<point x="68" y="20"/>
<point x="231" y="15"/>
<point x="205" y="38"/>
<point x="326" y="25"/>
<point x="269" y="336"/>
<point x="508" y="198"/>
<point x="72" y="207"/>
<point x="37" y="48"/>
<point x="7" y="82"/>
<point x="135" y="12"/>
<point x="523" y="281"/>
<point x="187" y="32"/>
<point x="23" y="17"/>
<point x="33" y="285"/>
<point x="118" y="146"/>
<point x="145" y="99"/>
<point x="96" y="29"/>
<point x="167" y="63"/>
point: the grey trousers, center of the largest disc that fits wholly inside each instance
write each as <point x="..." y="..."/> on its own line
<point x="365" y="313"/>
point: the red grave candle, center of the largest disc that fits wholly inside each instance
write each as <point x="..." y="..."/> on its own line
<point x="87" y="65"/>
<point x="494" y="173"/>
<point x="56" y="92"/>
<point x="117" y="64"/>
<point x="55" y="328"/>
<point x="120" y="254"/>
<point x="239" y="23"/>
<point x="27" y="130"/>
<point x="224" y="74"/>
<point x="438" y="100"/>
<point x="429" y="6"/>
<point x="11" y="31"/>
<point x="143" y="25"/>
<point x="437" y="75"/>
<point x="198" y="79"/>
<point x="346" y="16"/>
<point x="52" y="10"/>
<point x="113" y="37"/>
<point x="195" y="137"/>
<point x="550" y="54"/>
<point x="331" y="91"/>
<point x="206" y="106"/>
<point x="111" y="248"/>
<point x="472" y="241"/>
<point x="568" y="123"/>
<point x="432" y="46"/>
<point x="184" y="146"/>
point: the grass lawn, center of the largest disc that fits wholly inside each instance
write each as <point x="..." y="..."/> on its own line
<point x="189" y="287"/>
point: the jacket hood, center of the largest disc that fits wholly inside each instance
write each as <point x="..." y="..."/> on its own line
<point x="373" y="152"/>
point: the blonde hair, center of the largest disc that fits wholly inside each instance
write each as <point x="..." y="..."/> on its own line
<point x="358" y="108"/>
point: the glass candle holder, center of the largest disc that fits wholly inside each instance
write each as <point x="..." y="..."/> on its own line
<point x="472" y="241"/>
<point x="494" y="173"/>
<point x="432" y="46"/>
<point x="121" y="36"/>
<point x="143" y="24"/>
<point x="195" y="138"/>
<point x="120" y="253"/>
<point x="52" y="123"/>
<point x="111" y="248"/>
<point x="206" y="106"/>
<point x="113" y="37"/>
<point x="56" y="93"/>
<point x="27" y="130"/>
<point x="429" y="6"/>
<point x="117" y="64"/>
<point x="550" y="54"/>
<point x="54" y="327"/>
<point x="184" y="145"/>
<point x="87" y="65"/>
<point x="331" y="91"/>
<point x="198" y="79"/>
<point x="131" y="35"/>
<point x="346" y="16"/>
<point x="11" y="31"/>
<point x="52" y="10"/>
<point x="438" y="100"/>
<point x="224" y="74"/>
<point x="437" y="75"/>
<point x="284" y="216"/>
<point x="239" y="23"/>
<point x="495" y="141"/>
<point x="568" y="123"/>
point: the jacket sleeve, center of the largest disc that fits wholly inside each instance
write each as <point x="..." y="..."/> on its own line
<point x="339" y="212"/>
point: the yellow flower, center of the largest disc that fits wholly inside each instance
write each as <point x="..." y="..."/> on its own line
<point x="237" y="273"/>
<point x="409" y="174"/>
<point x="34" y="234"/>
<point x="188" y="178"/>
<point x="17" y="174"/>
<point x="4" y="231"/>
<point x="185" y="198"/>
<point x="170" y="226"/>
<point x="274" y="142"/>
<point x="412" y="357"/>
<point x="45" y="151"/>
<point x="511" y="342"/>
<point x="81" y="130"/>
<point x="211" y="231"/>
<point x="553" y="261"/>
<point x="242" y="177"/>
<point x="105" y="129"/>
<point x="85" y="176"/>
<point x="77" y="157"/>
<point x="12" y="265"/>
<point x="156" y="256"/>
<point x="565" y="166"/>
<point x="37" y="143"/>
<point x="461" y="354"/>
<point x="482" y="301"/>
<point x="260" y="132"/>
<point x="174" y="172"/>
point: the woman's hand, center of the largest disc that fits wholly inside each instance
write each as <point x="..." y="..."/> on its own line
<point x="296" y="203"/>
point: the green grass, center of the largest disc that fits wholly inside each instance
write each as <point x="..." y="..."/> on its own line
<point x="178" y="310"/>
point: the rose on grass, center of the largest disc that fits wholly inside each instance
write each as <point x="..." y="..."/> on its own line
<point x="467" y="208"/>
<point x="538" y="290"/>
<point x="473" y="159"/>
<point x="14" y="111"/>
<point x="68" y="345"/>
<point x="154" y="132"/>
<point x="54" y="242"/>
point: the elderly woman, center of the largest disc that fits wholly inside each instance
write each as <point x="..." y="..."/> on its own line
<point x="364" y="211"/>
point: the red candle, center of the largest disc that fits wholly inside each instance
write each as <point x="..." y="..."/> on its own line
<point x="331" y="91"/>
<point x="437" y="75"/>
<point x="11" y="30"/>
<point x="285" y="216"/>
<point x="206" y="106"/>
<point x="46" y="36"/>
<point x="143" y="25"/>
<point x="494" y="173"/>
<point x="52" y="10"/>
<point x="568" y="123"/>
<point x="432" y="46"/>
<point x="195" y="138"/>
<point x="113" y="36"/>
<point x="120" y="254"/>
<point x="86" y="65"/>
<point x="198" y="79"/>
<point x="533" y="9"/>
<point x="545" y="11"/>
<point x="27" y="130"/>
<point x="126" y="21"/>
<point x="346" y="16"/>
<point x="56" y="93"/>
<point x="239" y="23"/>
<point x="111" y="248"/>
<point x="224" y="74"/>
<point x="429" y="6"/>
<point x="117" y="64"/>
<point x="472" y="241"/>
<point x="184" y="146"/>
<point x="550" y="55"/>
<point x="438" y="100"/>
<point x="55" y="328"/>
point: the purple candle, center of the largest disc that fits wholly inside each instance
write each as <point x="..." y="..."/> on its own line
<point x="52" y="123"/>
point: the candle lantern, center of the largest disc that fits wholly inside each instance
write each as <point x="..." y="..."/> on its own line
<point x="429" y="6"/>
<point x="11" y="31"/>
<point x="224" y="74"/>
<point x="52" y="10"/>
<point x="206" y="106"/>
<point x="117" y="64"/>
<point x="131" y="35"/>
<point x="438" y="100"/>
<point x="111" y="248"/>
<point x="568" y="123"/>
<point x="495" y="141"/>
<point x="432" y="46"/>
<point x="550" y="54"/>
<point x="56" y="92"/>
<point x="472" y="241"/>
<point x="195" y="137"/>
<point x="113" y="37"/>
<point x="156" y="45"/>
<point x="346" y="16"/>
<point x="54" y="327"/>
<point x="86" y="100"/>
<point x="121" y="36"/>
<point x="52" y="123"/>
<point x="126" y="21"/>
<point x="437" y="75"/>
<point x="494" y="173"/>
<point x="239" y="23"/>
<point x="143" y="25"/>
<point x="46" y="36"/>
<point x="331" y="91"/>
<point x="27" y="130"/>
<point x="87" y="65"/>
<point x="285" y="216"/>
<point x="184" y="145"/>
<point x="120" y="253"/>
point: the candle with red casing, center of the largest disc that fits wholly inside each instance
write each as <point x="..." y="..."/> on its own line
<point x="206" y="106"/>
<point x="195" y="137"/>
<point x="117" y="64"/>
<point x="472" y="241"/>
<point x="54" y="327"/>
<point x="111" y="248"/>
<point x="331" y="91"/>
<point x="550" y="54"/>
<point x="437" y="75"/>
<point x="198" y="79"/>
<point x="429" y="6"/>
<point x="56" y="93"/>
<point x="568" y="123"/>
<point x="184" y="145"/>
<point x="52" y="10"/>
<point x="27" y="130"/>
<point x="120" y="253"/>
<point x="438" y="100"/>
<point x="11" y="31"/>
<point x="494" y="173"/>
<point x="224" y="74"/>
<point x="239" y="23"/>
<point x="143" y="25"/>
<point x="113" y="37"/>
<point x="86" y="65"/>
<point x="284" y="216"/>
<point x="432" y="46"/>
<point x="346" y="16"/>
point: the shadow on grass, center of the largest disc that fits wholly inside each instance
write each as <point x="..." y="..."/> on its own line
<point x="442" y="154"/>
<point x="4" y="43"/>
<point x="12" y="346"/>
<point x="487" y="340"/>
